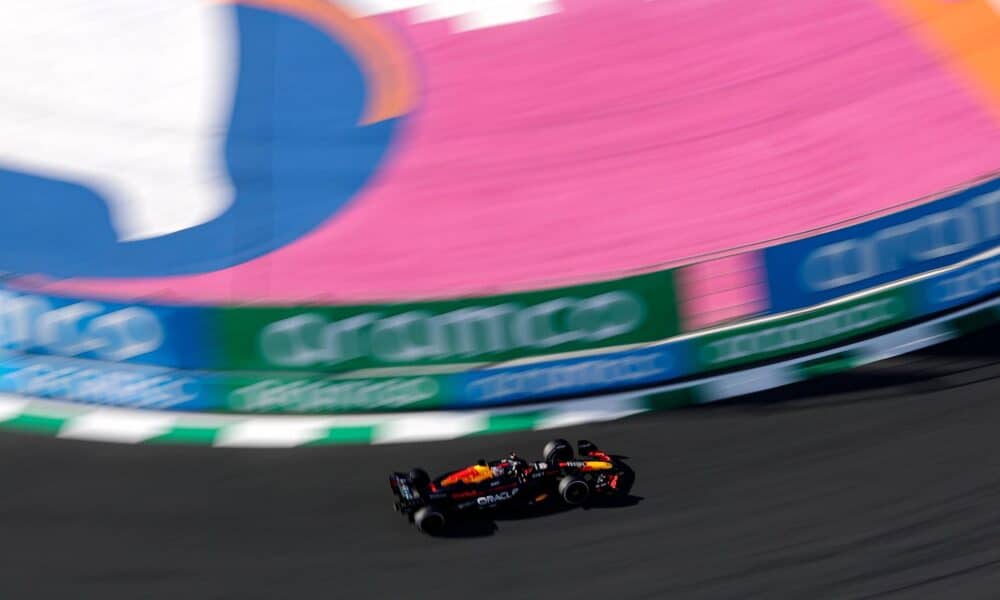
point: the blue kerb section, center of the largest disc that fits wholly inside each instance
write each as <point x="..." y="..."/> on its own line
<point x="294" y="150"/>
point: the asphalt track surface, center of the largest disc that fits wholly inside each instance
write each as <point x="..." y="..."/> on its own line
<point x="882" y="483"/>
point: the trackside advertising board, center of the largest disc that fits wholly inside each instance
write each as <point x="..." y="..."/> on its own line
<point x="104" y="383"/>
<point x="817" y="269"/>
<point x="102" y="353"/>
<point x="606" y="371"/>
<point x="137" y="386"/>
<point x="297" y="394"/>
<point x="476" y="330"/>
<point x="180" y="337"/>
<point x="809" y="330"/>
<point x="132" y="386"/>
<point x="961" y="286"/>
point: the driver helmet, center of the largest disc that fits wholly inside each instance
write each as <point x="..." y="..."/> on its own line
<point x="507" y="465"/>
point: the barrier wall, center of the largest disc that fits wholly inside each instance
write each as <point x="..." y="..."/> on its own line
<point x="561" y="342"/>
<point x="633" y="310"/>
<point x="333" y="339"/>
<point x="818" y="268"/>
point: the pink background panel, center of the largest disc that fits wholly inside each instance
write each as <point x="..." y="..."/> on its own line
<point x="620" y="134"/>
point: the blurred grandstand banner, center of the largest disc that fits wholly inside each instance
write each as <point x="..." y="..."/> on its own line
<point x="291" y="394"/>
<point x="165" y="336"/>
<point x="978" y="279"/>
<point x="808" y="330"/>
<point x="405" y="387"/>
<point x="477" y="330"/>
<point x="564" y="378"/>
<point x="816" y="269"/>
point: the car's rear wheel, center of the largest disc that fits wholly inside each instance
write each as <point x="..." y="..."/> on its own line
<point x="557" y="450"/>
<point x="429" y="520"/>
<point x="573" y="490"/>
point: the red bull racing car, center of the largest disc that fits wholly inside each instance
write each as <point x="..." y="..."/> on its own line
<point x="511" y="482"/>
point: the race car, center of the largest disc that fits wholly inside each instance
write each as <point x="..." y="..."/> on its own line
<point x="511" y="482"/>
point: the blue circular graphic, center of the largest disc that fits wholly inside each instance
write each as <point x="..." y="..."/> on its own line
<point x="295" y="152"/>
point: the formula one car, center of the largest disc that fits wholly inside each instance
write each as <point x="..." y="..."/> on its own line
<point x="511" y="482"/>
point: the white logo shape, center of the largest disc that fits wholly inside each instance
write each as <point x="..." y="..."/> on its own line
<point x="463" y="15"/>
<point x="129" y="98"/>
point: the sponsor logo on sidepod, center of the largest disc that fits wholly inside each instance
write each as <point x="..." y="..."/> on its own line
<point x="489" y="499"/>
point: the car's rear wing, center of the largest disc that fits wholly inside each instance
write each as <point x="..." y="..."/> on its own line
<point x="406" y="495"/>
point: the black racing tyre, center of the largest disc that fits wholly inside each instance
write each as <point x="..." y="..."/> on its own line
<point x="557" y="450"/>
<point x="585" y="447"/>
<point x="429" y="520"/>
<point x="573" y="490"/>
<point x="419" y="478"/>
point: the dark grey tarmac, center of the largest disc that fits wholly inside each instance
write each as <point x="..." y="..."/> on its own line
<point x="884" y="483"/>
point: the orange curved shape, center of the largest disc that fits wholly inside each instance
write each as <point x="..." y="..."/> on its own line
<point x="473" y="474"/>
<point x="966" y="34"/>
<point x="392" y="85"/>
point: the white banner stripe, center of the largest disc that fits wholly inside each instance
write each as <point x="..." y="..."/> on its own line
<point x="12" y="406"/>
<point x="273" y="432"/>
<point x="429" y="427"/>
<point x="117" y="426"/>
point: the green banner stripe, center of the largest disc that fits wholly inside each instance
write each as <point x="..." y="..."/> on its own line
<point x="499" y="423"/>
<point x="297" y="394"/>
<point x="188" y="435"/>
<point x="809" y="330"/>
<point x="834" y="363"/>
<point x="493" y="329"/>
<point x="36" y="423"/>
<point x="679" y="398"/>
<point x="345" y="435"/>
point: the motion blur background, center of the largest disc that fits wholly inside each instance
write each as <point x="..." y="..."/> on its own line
<point x="257" y="254"/>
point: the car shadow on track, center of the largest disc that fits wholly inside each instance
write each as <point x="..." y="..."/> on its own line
<point x="485" y="526"/>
